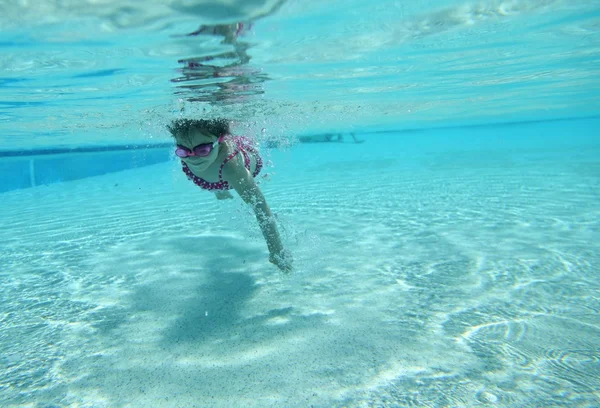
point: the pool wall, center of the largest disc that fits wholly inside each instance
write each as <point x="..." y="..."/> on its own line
<point x="57" y="165"/>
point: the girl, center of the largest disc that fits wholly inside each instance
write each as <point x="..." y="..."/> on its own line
<point x="215" y="160"/>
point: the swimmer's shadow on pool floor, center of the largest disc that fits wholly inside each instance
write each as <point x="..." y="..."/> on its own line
<point x="211" y="300"/>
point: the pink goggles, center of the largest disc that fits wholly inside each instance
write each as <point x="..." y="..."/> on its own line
<point x="202" y="150"/>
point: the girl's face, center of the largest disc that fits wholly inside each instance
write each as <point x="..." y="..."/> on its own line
<point x="192" y="139"/>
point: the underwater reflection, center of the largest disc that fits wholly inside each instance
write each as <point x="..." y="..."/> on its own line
<point x="224" y="77"/>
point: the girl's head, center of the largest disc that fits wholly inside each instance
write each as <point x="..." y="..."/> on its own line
<point x="182" y="127"/>
<point x="198" y="140"/>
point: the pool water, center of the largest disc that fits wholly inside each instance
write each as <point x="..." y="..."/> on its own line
<point x="451" y="259"/>
<point x="424" y="276"/>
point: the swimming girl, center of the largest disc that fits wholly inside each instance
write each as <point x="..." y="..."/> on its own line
<point x="215" y="160"/>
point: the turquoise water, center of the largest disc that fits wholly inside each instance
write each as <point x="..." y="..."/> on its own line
<point x="449" y="260"/>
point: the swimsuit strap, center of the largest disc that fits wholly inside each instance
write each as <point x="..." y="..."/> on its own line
<point x="246" y="145"/>
<point x="242" y="148"/>
<point x="241" y="143"/>
<point x="231" y="156"/>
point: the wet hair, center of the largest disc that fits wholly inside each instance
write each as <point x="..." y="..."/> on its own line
<point x="217" y="127"/>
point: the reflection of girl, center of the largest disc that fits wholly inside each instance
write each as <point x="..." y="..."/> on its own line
<point x="229" y="32"/>
<point x="215" y="160"/>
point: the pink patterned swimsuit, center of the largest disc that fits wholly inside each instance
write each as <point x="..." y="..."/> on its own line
<point x="243" y="145"/>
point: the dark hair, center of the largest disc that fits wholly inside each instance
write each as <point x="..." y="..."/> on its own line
<point x="217" y="127"/>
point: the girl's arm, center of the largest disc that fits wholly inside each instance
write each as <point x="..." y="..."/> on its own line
<point x="242" y="181"/>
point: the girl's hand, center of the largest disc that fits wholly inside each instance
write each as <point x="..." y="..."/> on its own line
<point x="283" y="260"/>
